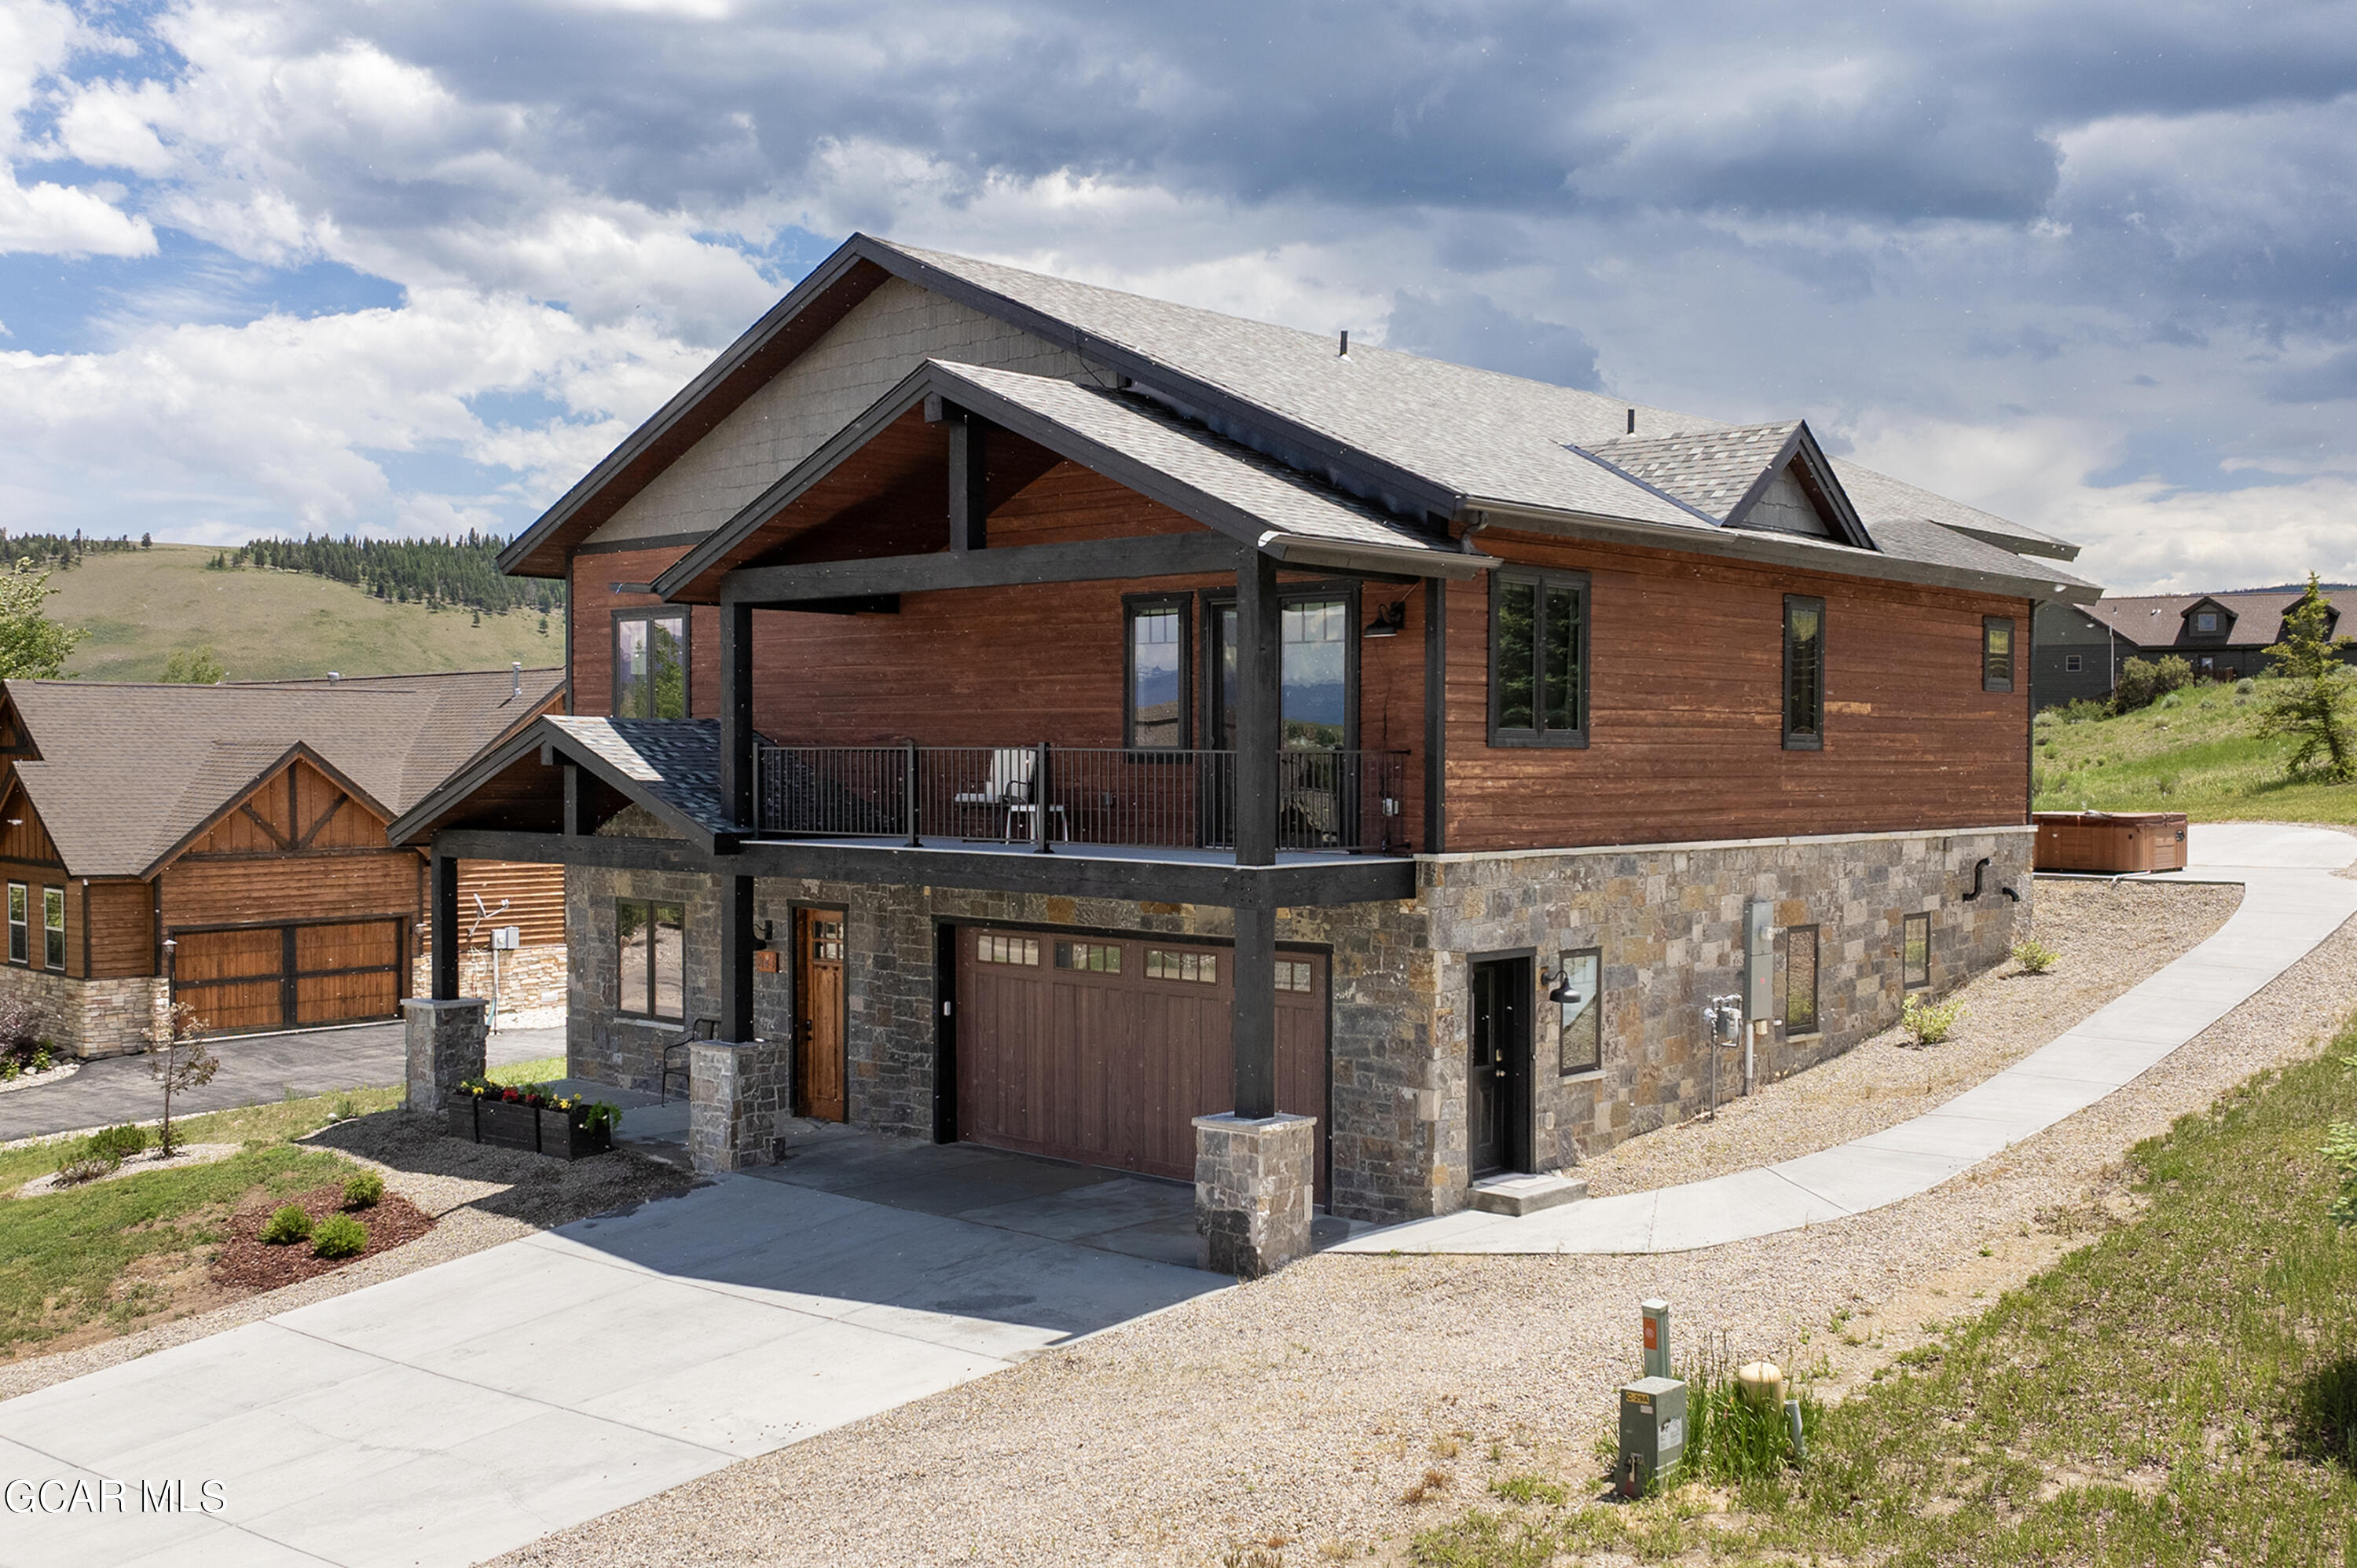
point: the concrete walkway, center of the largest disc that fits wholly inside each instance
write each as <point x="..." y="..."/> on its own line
<point x="2292" y="902"/>
<point x="255" y="1069"/>
<point x="463" y="1411"/>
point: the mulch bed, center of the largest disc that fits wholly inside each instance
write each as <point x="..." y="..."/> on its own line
<point x="247" y="1261"/>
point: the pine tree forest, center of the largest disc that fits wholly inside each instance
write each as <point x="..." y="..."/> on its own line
<point x="458" y="572"/>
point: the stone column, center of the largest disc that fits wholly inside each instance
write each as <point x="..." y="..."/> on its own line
<point x="737" y="1103"/>
<point x="1254" y="1184"/>
<point x="446" y="1040"/>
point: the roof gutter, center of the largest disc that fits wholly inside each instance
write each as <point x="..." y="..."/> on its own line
<point x="1295" y="550"/>
<point x="1783" y="550"/>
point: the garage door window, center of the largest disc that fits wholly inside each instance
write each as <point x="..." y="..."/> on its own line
<point x="1096" y="958"/>
<point x="1194" y="968"/>
<point x="20" y="948"/>
<point x="1292" y="976"/>
<point x="1008" y="950"/>
<point x="53" y="927"/>
<point x="653" y="941"/>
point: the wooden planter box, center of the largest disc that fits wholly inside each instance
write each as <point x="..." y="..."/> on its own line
<point x="511" y="1126"/>
<point x="2108" y="841"/>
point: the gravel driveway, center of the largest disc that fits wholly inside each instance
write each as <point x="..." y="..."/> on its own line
<point x="1291" y="1415"/>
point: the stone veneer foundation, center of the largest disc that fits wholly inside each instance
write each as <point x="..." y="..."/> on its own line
<point x="88" y="1018"/>
<point x="1667" y="917"/>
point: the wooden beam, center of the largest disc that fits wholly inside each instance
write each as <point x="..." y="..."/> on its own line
<point x="1156" y="555"/>
<point x="737" y="720"/>
<point x="1260" y="723"/>
<point x="969" y="473"/>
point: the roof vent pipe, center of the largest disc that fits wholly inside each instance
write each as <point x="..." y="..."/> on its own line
<point x="334" y="676"/>
<point x="1633" y="421"/>
<point x="1344" y="351"/>
<point x="517" y="690"/>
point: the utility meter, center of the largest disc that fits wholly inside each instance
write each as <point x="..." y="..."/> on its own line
<point x="1653" y="1433"/>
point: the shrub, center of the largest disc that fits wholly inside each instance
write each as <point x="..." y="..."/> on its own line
<point x="2080" y="711"/>
<point x="2170" y="700"/>
<point x="2045" y="718"/>
<point x="2142" y="681"/>
<point x="289" y="1225"/>
<point x="365" y="1190"/>
<point x="1931" y="1021"/>
<point x="121" y="1141"/>
<point x="79" y="1167"/>
<point x="339" y="1236"/>
<point x="2245" y="686"/>
<point x="9" y="1069"/>
<point x="21" y="1025"/>
<point x="2034" y="956"/>
<point x="41" y="1060"/>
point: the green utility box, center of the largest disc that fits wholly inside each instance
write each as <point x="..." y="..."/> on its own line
<point x="1653" y="1433"/>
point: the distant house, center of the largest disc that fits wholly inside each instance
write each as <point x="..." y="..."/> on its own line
<point x="2080" y="648"/>
<point x="245" y="826"/>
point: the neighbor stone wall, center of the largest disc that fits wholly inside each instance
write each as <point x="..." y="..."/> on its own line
<point x="1669" y="919"/>
<point x="532" y="979"/>
<point x="88" y="1018"/>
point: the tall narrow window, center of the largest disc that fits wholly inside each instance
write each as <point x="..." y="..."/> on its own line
<point x="1997" y="653"/>
<point x="651" y="665"/>
<point x="1156" y="719"/>
<point x="1580" y="1046"/>
<point x="1317" y="670"/>
<point x="20" y="934"/>
<point x="53" y="927"/>
<point x="1538" y="648"/>
<point x="1915" y="953"/>
<point x="1804" y="674"/>
<point x="651" y="942"/>
<point x="1800" y="980"/>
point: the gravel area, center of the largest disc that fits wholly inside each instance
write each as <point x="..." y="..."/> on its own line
<point x="478" y="1195"/>
<point x="1284" y="1422"/>
<point x="2110" y="936"/>
<point x="137" y="1165"/>
<point x="59" y="1073"/>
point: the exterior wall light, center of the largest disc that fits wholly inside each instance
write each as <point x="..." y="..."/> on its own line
<point x="1389" y="620"/>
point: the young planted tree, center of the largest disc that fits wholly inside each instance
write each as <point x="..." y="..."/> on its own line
<point x="179" y="1062"/>
<point x="2312" y="701"/>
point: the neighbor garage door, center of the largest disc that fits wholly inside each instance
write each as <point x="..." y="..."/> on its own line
<point x="1105" y="1049"/>
<point x="277" y="977"/>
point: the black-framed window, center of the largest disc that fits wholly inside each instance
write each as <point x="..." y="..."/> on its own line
<point x="1157" y="667"/>
<point x="651" y="666"/>
<point x="1538" y="658"/>
<point x="1318" y="667"/>
<point x="1579" y="1044"/>
<point x="650" y="945"/>
<point x="2205" y="621"/>
<point x="20" y="928"/>
<point x="1800" y="980"/>
<point x="1804" y="672"/>
<point x="53" y="927"/>
<point x="1997" y="653"/>
<point x="1915" y="952"/>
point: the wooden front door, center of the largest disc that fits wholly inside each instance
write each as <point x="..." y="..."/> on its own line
<point x="818" y="1015"/>
<point x="1497" y="1071"/>
<point x="1105" y="1049"/>
<point x="279" y="977"/>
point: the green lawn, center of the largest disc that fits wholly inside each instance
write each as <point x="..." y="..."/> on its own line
<point x="2203" y="757"/>
<point x="545" y="1069"/>
<point x="112" y="1249"/>
<point x="142" y="606"/>
<point x="2182" y="1392"/>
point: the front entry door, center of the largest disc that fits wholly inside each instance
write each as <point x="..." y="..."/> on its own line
<point x="1497" y="1078"/>
<point x="818" y="1015"/>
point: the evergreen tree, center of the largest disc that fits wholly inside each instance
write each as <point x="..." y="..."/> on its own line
<point x="2311" y="702"/>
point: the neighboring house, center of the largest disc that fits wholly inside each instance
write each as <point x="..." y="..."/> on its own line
<point x="244" y="825"/>
<point x="2222" y="635"/>
<point x="1063" y="715"/>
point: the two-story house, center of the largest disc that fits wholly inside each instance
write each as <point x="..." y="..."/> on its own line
<point x="1064" y="716"/>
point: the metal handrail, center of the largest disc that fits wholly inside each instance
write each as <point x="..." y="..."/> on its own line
<point x="1043" y="796"/>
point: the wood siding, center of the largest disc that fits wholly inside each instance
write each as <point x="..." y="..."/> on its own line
<point x="296" y="849"/>
<point x="534" y="895"/>
<point x="122" y="930"/>
<point x="1685" y="703"/>
<point x="594" y="603"/>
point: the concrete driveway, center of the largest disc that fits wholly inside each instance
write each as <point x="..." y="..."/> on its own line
<point x="255" y="1069"/>
<point x="463" y="1411"/>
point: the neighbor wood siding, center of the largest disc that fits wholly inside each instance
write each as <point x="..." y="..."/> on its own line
<point x="24" y="842"/>
<point x="122" y="930"/>
<point x="240" y="870"/>
<point x="1685" y="699"/>
<point x="36" y="876"/>
<point x="535" y="895"/>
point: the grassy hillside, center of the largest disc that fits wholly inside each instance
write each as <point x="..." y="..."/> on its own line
<point x="2197" y="751"/>
<point x="142" y="607"/>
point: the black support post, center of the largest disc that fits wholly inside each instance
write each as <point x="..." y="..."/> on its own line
<point x="443" y="897"/>
<point x="574" y="826"/>
<point x="736" y="716"/>
<point x="737" y="958"/>
<point x="1260" y="729"/>
<point x="969" y="500"/>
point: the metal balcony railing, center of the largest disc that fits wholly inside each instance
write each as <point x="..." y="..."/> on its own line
<point x="1046" y="796"/>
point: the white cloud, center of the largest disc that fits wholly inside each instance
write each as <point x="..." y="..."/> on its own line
<point x="62" y="220"/>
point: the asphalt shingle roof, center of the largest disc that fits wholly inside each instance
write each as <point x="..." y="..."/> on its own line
<point x="2156" y="620"/>
<point x="1710" y="470"/>
<point x="675" y="761"/>
<point x="128" y="771"/>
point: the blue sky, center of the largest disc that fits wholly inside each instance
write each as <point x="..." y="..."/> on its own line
<point x="273" y="267"/>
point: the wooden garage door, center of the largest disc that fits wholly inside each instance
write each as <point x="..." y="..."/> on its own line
<point x="277" y="977"/>
<point x="1104" y="1049"/>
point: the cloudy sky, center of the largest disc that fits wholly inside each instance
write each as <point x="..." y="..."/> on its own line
<point x="409" y="267"/>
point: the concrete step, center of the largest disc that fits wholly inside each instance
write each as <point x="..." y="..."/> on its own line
<point x="1517" y="1194"/>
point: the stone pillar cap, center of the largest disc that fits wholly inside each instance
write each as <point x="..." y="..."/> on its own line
<point x="1228" y="1118"/>
<point x="431" y="1002"/>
